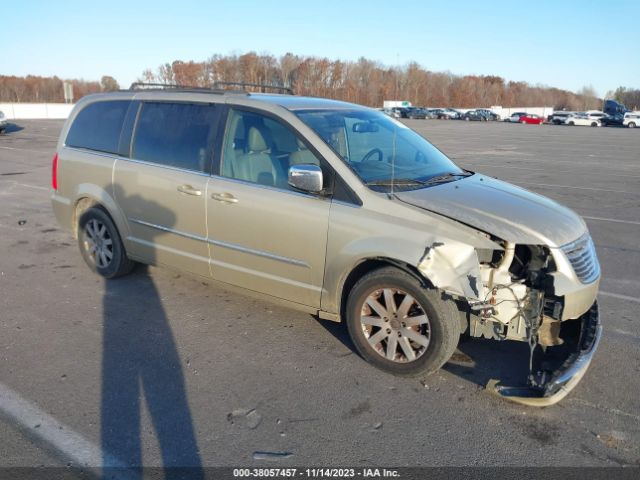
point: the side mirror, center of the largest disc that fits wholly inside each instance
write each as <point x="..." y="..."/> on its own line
<point x="306" y="177"/>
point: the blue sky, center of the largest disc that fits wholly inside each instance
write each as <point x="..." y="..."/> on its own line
<point x="567" y="44"/>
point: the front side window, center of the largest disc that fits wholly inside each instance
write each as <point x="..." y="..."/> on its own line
<point x="98" y="125"/>
<point x="175" y="134"/>
<point x="260" y="150"/>
<point x="381" y="150"/>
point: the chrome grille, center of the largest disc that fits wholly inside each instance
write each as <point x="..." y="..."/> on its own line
<point x="583" y="258"/>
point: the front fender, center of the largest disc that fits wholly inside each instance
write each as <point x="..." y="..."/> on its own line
<point x="437" y="250"/>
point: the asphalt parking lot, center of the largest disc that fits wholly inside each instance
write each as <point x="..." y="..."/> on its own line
<point x="195" y="374"/>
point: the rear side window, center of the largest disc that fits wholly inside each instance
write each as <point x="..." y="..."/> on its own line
<point x="98" y="125"/>
<point x="175" y="134"/>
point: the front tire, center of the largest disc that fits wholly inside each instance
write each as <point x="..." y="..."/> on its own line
<point x="400" y="326"/>
<point x="632" y="125"/>
<point x="101" y="246"/>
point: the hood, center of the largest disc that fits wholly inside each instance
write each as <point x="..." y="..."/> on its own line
<point x="501" y="209"/>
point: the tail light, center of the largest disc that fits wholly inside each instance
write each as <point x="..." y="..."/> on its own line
<point x="54" y="172"/>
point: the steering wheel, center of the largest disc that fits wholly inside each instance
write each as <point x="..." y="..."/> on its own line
<point x="371" y="153"/>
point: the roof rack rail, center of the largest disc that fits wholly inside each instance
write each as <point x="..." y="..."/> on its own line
<point x="175" y="86"/>
<point x="243" y="85"/>
<point x="142" y="85"/>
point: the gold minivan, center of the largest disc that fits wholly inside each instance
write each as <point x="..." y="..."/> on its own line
<point x="337" y="210"/>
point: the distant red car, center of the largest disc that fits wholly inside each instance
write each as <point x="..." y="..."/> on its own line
<point x="532" y="119"/>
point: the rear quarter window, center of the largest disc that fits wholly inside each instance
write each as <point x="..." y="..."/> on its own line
<point x="98" y="126"/>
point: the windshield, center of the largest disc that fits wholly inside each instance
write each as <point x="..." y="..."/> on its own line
<point x="379" y="149"/>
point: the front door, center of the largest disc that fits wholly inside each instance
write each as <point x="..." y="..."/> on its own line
<point x="265" y="236"/>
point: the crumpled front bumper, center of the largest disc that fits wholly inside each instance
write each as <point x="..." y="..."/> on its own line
<point x="566" y="377"/>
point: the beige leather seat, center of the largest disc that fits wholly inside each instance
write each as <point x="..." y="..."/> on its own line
<point x="302" y="156"/>
<point x="256" y="165"/>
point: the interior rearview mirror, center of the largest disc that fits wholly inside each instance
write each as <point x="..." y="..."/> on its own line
<point x="365" y="127"/>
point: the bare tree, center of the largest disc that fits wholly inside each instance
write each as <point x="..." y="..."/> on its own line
<point x="109" y="84"/>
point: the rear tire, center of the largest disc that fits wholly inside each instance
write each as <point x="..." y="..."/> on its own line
<point x="412" y="330"/>
<point x="101" y="246"/>
<point x="632" y="125"/>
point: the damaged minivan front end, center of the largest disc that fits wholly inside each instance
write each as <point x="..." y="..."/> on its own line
<point x="537" y="288"/>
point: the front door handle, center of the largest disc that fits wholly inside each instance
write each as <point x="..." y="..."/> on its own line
<point x="224" y="197"/>
<point x="189" y="190"/>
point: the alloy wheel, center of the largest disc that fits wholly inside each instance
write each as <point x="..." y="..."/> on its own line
<point x="98" y="243"/>
<point x="395" y="325"/>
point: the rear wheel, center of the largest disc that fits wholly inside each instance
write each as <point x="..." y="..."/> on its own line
<point x="571" y="124"/>
<point x="399" y="326"/>
<point x="594" y="124"/>
<point x="632" y="125"/>
<point x="101" y="246"/>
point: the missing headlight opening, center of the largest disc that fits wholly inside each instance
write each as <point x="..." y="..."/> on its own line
<point x="510" y="294"/>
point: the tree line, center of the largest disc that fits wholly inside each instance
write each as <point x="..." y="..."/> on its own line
<point x="363" y="81"/>
<point x="629" y="97"/>
<point x="49" y="89"/>
<point x="368" y="82"/>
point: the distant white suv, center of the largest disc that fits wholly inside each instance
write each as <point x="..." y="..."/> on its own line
<point x="631" y="119"/>
<point x="560" y="117"/>
<point x="589" y="119"/>
<point x="3" y="122"/>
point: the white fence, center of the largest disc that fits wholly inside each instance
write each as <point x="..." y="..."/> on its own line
<point x="17" y="111"/>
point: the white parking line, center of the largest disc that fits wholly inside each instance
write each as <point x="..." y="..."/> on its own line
<point x="577" y="188"/>
<point x="625" y="333"/>
<point x="27" y="150"/>
<point x="32" y="134"/>
<point x="614" y="411"/>
<point x="615" y="220"/>
<point x="619" y="296"/>
<point x="483" y="165"/>
<point x="26" y="185"/>
<point x="633" y="166"/>
<point x="71" y="445"/>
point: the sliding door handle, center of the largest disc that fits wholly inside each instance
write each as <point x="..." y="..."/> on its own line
<point x="224" y="197"/>
<point x="189" y="190"/>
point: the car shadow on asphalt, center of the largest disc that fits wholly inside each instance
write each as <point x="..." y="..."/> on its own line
<point x="140" y="364"/>
<point x="12" y="128"/>
<point x="476" y="360"/>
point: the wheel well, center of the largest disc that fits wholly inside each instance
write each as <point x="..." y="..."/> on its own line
<point x="82" y="205"/>
<point x="369" y="265"/>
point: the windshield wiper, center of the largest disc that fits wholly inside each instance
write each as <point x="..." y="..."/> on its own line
<point x="446" y="177"/>
<point x="395" y="181"/>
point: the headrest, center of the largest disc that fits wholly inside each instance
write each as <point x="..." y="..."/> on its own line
<point x="256" y="141"/>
